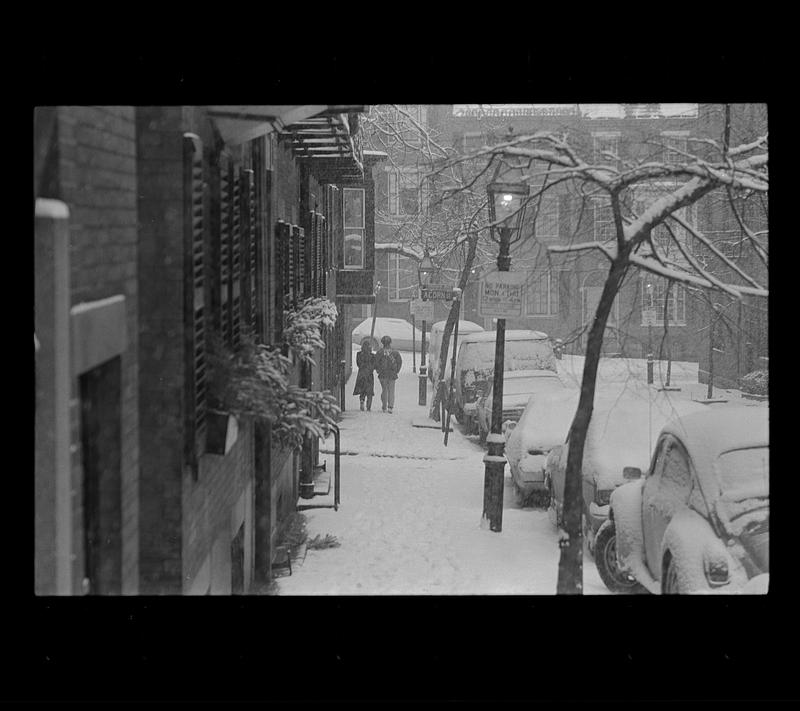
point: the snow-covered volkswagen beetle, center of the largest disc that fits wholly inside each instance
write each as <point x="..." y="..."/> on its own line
<point x="699" y="521"/>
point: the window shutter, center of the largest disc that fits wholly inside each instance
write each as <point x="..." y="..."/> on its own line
<point x="282" y="274"/>
<point x="320" y="262"/>
<point x="311" y="251"/>
<point x="194" y="321"/>
<point x="225" y="249"/>
<point x="249" y="209"/>
<point x="298" y="240"/>
<point x="236" y="262"/>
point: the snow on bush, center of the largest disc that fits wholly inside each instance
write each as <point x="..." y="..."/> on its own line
<point x="304" y="327"/>
<point x="755" y="383"/>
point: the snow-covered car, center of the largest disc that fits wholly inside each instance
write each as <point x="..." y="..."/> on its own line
<point x="620" y="437"/>
<point x="524" y="350"/>
<point x="435" y="344"/>
<point x="698" y="522"/>
<point x="519" y="386"/>
<point x="398" y="329"/>
<point x="544" y="424"/>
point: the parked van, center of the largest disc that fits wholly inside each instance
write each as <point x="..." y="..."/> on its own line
<point x="435" y="345"/>
<point x="524" y="350"/>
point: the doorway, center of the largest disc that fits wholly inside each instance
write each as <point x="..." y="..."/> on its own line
<point x="100" y="391"/>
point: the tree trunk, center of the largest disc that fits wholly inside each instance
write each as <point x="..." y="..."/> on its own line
<point x="452" y="320"/>
<point x="570" y="564"/>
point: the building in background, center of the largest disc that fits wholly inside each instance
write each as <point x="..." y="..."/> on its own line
<point x="159" y="229"/>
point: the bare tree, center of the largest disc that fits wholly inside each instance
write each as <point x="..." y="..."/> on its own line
<point x="707" y="167"/>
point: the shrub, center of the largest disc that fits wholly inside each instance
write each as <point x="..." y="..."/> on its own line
<point x="755" y="382"/>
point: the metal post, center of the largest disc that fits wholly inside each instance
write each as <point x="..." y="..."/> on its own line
<point x="650" y="354"/>
<point x="413" y="344"/>
<point x="423" y="371"/>
<point x="494" y="477"/>
<point x="342" y="384"/>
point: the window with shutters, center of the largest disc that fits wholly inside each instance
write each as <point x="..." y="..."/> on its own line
<point x="545" y="212"/>
<point x="194" y="300"/>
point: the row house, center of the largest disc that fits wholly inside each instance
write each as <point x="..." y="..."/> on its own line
<point x="160" y="230"/>
<point x="562" y="292"/>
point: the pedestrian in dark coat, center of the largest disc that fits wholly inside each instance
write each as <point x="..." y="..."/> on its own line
<point x="388" y="365"/>
<point x="365" y="381"/>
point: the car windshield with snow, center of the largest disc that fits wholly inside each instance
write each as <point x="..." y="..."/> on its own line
<point x="699" y="521"/>
<point x="524" y="350"/>
<point x="435" y="345"/>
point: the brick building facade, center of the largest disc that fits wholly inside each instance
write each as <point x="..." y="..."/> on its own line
<point x="165" y="228"/>
<point x="562" y="291"/>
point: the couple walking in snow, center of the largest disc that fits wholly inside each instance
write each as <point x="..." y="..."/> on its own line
<point x="387" y="363"/>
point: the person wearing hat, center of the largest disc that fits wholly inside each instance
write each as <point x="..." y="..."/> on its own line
<point x="387" y="365"/>
<point x="365" y="383"/>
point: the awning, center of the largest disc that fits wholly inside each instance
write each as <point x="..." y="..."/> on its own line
<point x="238" y="124"/>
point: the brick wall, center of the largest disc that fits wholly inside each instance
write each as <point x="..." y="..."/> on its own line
<point x="161" y="341"/>
<point x="97" y="180"/>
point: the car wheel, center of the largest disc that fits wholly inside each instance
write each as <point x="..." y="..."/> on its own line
<point x="605" y="558"/>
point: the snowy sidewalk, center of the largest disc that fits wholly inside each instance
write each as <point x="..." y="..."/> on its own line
<point x="409" y="518"/>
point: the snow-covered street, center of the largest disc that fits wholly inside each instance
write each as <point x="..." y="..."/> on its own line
<point x="409" y="518"/>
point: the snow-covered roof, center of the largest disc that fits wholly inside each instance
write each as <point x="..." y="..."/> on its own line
<point x="511" y="335"/>
<point x="463" y="327"/>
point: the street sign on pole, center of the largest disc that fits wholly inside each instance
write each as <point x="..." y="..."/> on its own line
<point x="421" y="310"/>
<point x="502" y="294"/>
<point x="437" y="292"/>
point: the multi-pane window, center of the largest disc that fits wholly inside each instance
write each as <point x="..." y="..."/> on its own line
<point x="473" y="142"/>
<point x="604" y="229"/>
<point x="546" y="216"/>
<point x="543" y="294"/>
<point x="402" y="278"/>
<point x="606" y="145"/>
<point x="404" y="192"/>
<point x="353" y="228"/>
<point x="675" y="147"/>
<point x="653" y="293"/>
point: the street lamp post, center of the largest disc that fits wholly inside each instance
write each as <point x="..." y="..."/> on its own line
<point x="426" y="268"/>
<point x="506" y="209"/>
